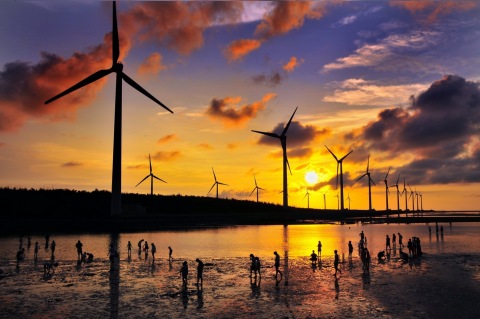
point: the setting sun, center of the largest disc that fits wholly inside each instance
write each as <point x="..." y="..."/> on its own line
<point x="311" y="177"/>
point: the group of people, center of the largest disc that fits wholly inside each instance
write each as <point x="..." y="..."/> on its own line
<point x="184" y="273"/>
<point x="83" y="257"/>
<point x="145" y="248"/>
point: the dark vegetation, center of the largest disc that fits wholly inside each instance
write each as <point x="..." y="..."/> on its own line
<point x="63" y="210"/>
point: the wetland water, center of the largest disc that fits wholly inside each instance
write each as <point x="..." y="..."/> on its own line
<point x="442" y="283"/>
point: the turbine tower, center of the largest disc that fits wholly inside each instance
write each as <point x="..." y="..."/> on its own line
<point x="307" y="195"/>
<point x="398" y="195"/>
<point x="256" y="187"/>
<point x="412" y="195"/>
<point x="386" y="189"/>
<point x="405" y="191"/>
<point x="151" y="177"/>
<point x="338" y="201"/>
<point x="348" y="198"/>
<point x="117" y="67"/>
<point x="339" y="164"/>
<point x="324" y="201"/>
<point x="216" y="183"/>
<point x="283" y="140"/>
<point x="370" y="180"/>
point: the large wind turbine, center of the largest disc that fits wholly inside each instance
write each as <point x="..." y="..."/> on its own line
<point x="257" y="188"/>
<point x="386" y="189"/>
<point x="151" y="177"/>
<point x="405" y="191"/>
<point x="283" y="140"/>
<point x="398" y="194"/>
<point x="370" y="180"/>
<point x="117" y="67"/>
<point x="216" y="183"/>
<point x="339" y="164"/>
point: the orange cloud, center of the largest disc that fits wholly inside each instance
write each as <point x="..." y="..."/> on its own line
<point x="152" y="65"/>
<point x="24" y="87"/>
<point x="166" y="156"/>
<point x="434" y="9"/>
<point x="205" y="146"/>
<point x="239" y="48"/>
<point x="167" y="138"/>
<point x="226" y="111"/>
<point x="180" y="25"/>
<point x="292" y="64"/>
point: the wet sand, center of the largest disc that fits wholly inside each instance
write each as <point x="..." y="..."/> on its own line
<point x="433" y="286"/>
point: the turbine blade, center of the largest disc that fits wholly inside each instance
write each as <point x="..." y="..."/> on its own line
<point x="211" y="188"/>
<point x="267" y="133"/>
<point x="372" y="181"/>
<point x="336" y="183"/>
<point x="387" y="173"/>
<point x="158" y="178"/>
<point x="332" y="154"/>
<point x="150" y="161"/>
<point x="255" y="180"/>
<point x="361" y="177"/>
<point x="115" y="41"/>
<point x="252" y="192"/>
<point x="214" y="176"/>
<point x="288" y="124"/>
<point x="288" y="165"/>
<point x="398" y="178"/>
<point x="136" y="86"/>
<point x="263" y="189"/>
<point x="346" y="155"/>
<point x="142" y="180"/>
<point x="368" y="162"/>
<point x="89" y="79"/>
<point x="222" y="184"/>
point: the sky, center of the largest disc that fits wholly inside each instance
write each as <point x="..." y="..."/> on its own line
<point x="396" y="82"/>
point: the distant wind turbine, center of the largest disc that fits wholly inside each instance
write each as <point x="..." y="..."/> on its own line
<point x="417" y="194"/>
<point x="348" y="198"/>
<point x="398" y="194"/>
<point x="216" y="183"/>
<point x="338" y="201"/>
<point x="257" y="188"/>
<point x="370" y="180"/>
<point x="405" y="191"/>
<point x="117" y="67"/>
<point x="412" y="195"/>
<point x="151" y="177"/>
<point x="324" y="201"/>
<point x="386" y="189"/>
<point x="283" y="140"/>
<point x="421" y="202"/>
<point x="307" y="195"/>
<point x="339" y="165"/>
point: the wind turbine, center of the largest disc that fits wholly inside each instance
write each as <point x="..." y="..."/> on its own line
<point x="216" y="183"/>
<point x="339" y="164"/>
<point x="307" y="195"/>
<point x="117" y="67"/>
<point x="338" y="201"/>
<point x="405" y="191"/>
<point x="413" y="198"/>
<point x="256" y="187"/>
<point x="348" y="198"/>
<point x="324" y="201"/>
<point x="416" y="194"/>
<point x="398" y="195"/>
<point x="151" y="177"/>
<point x="283" y="140"/>
<point x="421" y="202"/>
<point x="370" y="180"/>
<point x="386" y="189"/>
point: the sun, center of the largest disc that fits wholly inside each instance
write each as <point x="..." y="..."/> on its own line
<point x="311" y="177"/>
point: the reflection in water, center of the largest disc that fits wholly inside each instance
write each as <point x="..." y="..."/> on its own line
<point x="200" y="302"/>
<point x="255" y="285"/>
<point x="285" y="253"/>
<point x="337" y="288"/>
<point x="114" y="277"/>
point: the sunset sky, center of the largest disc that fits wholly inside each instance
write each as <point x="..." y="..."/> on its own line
<point x="396" y="80"/>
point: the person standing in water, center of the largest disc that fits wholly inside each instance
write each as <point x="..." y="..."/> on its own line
<point x="129" y="248"/>
<point x="184" y="273"/>
<point x="140" y="246"/>
<point x="154" y="250"/>
<point x="350" y="248"/>
<point x="199" y="272"/>
<point x="79" y="246"/>
<point x="313" y="258"/>
<point x="170" y="251"/>
<point x="319" y="248"/>
<point x="277" y="265"/>
<point x="336" y="261"/>
<point x="35" y="251"/>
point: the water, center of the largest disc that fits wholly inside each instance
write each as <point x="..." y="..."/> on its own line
<point x="142" y="288"/>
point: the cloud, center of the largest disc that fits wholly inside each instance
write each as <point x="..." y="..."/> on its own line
<point x="152" y="65"/>
<point x="205" y="146"/>
<point x="226" y="110"/>
<point x="273" y="79"/>
<point x="298" y="135"/>
<point x="439" y="130"/>
<point x="363" y="92"/>
<point x="395" y="52"/>
<point x="177" y="24"/>
<point x="240" y="48"/>
<point x="24" y="86"/>
<point x="72" y="164"/>
<point x="167" y="138"/>
<point x="430" y="11"/>
<point x="292" y="64"/>
<point x="166" y="156"/>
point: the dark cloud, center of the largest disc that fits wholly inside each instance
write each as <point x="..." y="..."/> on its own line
<point x="166" y="156"/>
<point x="227" y="111"/>
<point x="274" y="79"/>
<point x="72" y="164"/>
<point x="439" y="129"/>
<point x="297" y="134"/>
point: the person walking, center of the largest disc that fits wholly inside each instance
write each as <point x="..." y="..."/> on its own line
<point x="79" y="247"/>
<point x="199" y="272"/>
<point x="154" y="250"/>
<point x="350" y="248"/>
<point x="336" y="261"/>
<point x="184" y="273"/>
<point x="129" y="248"/>
<point x="170" y="251"/>
<point x="277" y="265"/>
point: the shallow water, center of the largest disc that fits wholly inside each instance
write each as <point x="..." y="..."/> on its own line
<point x="139" y="287"/>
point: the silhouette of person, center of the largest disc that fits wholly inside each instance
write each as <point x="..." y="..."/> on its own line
<point x="35" y="251"/>
<point x="47" y="240"/>
<point x="253" y="265"/>
<point x="410" y="248"/>
<point x="319" y="248"/>
<point x="362" y="235"/>
<point x="394" y="241"/>
<point x="140" y="246"/>
<point x="129" y="248"/>
<point x="257" y="267"/>
<point x="154" y="250"/>
<point x="79" y="246"/>
<point x="277" y="265"/>
<point x="53" y="246"/>
<point x="170" y="251"/>
<point x="145" y="248"/>
<point x="387" y="243"/>
<point x="89" y="257"/>
<point x="336" y="261"/>
<point x="400" y="240"/>
<point x="199" y="272"/>
<point x="350" y="248"/>
<point x="184" y="273"/>
<point x="313" y="258"/>
<point x="20" y="255"/>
